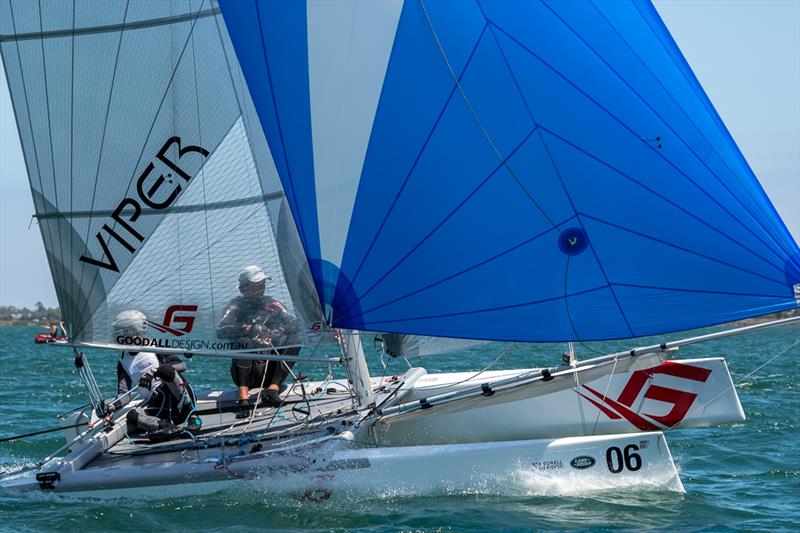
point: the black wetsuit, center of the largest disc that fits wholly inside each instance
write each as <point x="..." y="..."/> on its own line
<point x="171" y="403"/>
<point x="269" y="325"/>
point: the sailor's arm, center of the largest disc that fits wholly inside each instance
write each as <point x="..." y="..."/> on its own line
<point x="229" y="327"/>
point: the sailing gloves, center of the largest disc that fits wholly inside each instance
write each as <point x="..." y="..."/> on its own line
<point x="165" y="373"/>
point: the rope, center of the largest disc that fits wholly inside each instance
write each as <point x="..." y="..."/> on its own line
<point x="484" y="369"/>
<point x="479" y="122"/>
<point x="605" y="394"/>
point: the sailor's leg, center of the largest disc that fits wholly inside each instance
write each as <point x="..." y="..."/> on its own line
<point x="240" y="373"/>
<point x="278" y="370"/>
<point x="138" y="419"/>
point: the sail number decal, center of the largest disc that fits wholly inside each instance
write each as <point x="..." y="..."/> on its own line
<point x="154" y="192"/>
<point x="623" y="459"/>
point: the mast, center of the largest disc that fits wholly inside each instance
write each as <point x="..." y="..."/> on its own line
<point x="356" y="365"/>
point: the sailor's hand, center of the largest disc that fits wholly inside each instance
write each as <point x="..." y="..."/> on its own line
<point x="108" y="409"/>
<point x="146" y="380"/>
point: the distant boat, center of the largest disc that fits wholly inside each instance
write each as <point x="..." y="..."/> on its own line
<point x="436" y="174"/>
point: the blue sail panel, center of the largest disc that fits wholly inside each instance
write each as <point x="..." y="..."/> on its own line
<point x="534" y="171"/>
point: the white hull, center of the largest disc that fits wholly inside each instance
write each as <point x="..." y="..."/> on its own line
<point x="547" y="466"/>
<point x="523" y="439"/>
<point x="686" y="393"/>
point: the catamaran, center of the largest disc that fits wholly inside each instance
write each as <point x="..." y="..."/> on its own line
<point x="433" y="174"/>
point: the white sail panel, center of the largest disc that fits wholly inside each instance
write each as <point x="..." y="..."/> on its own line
<point x="145" y="188"/>
<point x="349" y="44"/>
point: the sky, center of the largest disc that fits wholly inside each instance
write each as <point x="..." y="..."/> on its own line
<point x="746" y="54"/>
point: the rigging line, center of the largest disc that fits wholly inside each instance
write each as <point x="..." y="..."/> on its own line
<point x="605" y="394"/>
<point x="579" y="400"/>
<point x="68" y="312"/>
<point x="502" y="354"/>
<point x="782" y="283"/>
<point x="569" y="314"/>
<point x="463" y="271"/>
<point x="60" y="285"/>
<point x="583" y="227"/>
<point x="622" y="124"/>
<point x="738" y="382"/>
<point x="411" y="170"/>
<point x="41" y="201"/>
<point x="149" y="132"/>
<point x="660" y="196"/>
<point x="550" y="157"/>
<point x="102" y="142"/>
<point x="653" y="110"/>
<point x="447" y="217"/>
<point x="477" y="119"/>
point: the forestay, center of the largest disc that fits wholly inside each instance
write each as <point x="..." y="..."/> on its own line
<point x="133" y="118"/>
<point x="508" y="170"/>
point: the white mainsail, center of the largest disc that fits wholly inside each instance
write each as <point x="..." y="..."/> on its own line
<point x="133" y="118"/>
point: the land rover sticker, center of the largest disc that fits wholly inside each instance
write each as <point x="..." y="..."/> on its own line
<point x="582" y="461"/>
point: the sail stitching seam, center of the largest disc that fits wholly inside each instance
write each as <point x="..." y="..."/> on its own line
<point x="447" y="217"/>
<point x="556" y="170"/>
<point x="33" y="142"/>
<point x="496" y="308"/>
<point x="681" y="248"/>
<point x="60" y="285"/>
<point x="467" y="269"/>
<point x="625" y="126"/>
<point x="695" y="86"/>
<point x="657" y="194"/>
<point x="497" y="151"/>
<point x="701" y="161"/>
<point x="474" y="113"/>
<point x="293" y="199"/>
<point x="411" y="170"/>
<point x="152" y="125"/>
<point x="99" y="160"/>
<point x="700" y="291"/>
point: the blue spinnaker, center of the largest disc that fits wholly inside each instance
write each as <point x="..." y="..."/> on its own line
<point x="533" y="171"/>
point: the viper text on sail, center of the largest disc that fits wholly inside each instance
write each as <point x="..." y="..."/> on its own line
<point x="151" y="192"/>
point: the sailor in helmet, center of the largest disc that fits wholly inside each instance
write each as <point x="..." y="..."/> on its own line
<point x="168" y="400"/>
<point x="257" y="320"/>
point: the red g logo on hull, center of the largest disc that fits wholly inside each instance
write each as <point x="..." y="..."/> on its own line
<point x="681" y="400"/>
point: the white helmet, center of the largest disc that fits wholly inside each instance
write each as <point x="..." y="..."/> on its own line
<point x="130" y="320"/>
<point x="252" y="274"/>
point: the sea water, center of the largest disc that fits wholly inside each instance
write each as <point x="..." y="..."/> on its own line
<point x="740" y="477"/>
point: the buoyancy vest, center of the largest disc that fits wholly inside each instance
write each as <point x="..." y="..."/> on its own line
<point x="135" y="365"/>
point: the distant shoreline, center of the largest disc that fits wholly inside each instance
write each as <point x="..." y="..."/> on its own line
<point x="43" y="323"/>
